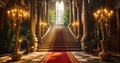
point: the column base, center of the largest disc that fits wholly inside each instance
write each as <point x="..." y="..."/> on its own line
<point x="104" y="56"/>
<point x="34" y="47"/>
<point x="84" y="47"/>
<point x="16" y="56"/>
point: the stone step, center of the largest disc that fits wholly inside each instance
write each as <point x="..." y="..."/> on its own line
<point x="58" y="46"/>
<point x="47" y="50"/>
<point x="59" y="49"/>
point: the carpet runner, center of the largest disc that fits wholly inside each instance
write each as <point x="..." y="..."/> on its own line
<point x="59" y="57"/>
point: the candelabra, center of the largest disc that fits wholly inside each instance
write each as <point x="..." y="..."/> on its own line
<point x="102" y="17"/>
<point x="16" y="15"/>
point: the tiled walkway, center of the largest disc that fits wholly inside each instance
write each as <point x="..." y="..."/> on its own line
<point x="37" y="56"/>
<point x="81" y="56"/>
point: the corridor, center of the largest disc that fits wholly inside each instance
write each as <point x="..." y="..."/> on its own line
<point x="58" y="46"/>
<point x="59" y="31"/>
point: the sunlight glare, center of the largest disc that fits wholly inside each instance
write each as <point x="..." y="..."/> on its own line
<point x="59" y="12"/>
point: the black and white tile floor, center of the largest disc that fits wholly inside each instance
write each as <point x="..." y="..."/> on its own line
<point x="81" y="56"/>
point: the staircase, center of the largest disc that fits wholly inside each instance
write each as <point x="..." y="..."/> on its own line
<point x="48" y="41"/>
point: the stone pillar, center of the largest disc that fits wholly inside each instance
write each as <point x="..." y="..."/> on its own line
<point x="71" y="14"/>
<point x="44" y="17"/>
<point x="32" y="16"/>
<point x="84" y="21"/>
<point x="47" y="3"/>
<point x="79" y="26"/>
<point x="74" y="17"/>
<point x="45" y="9"/>
<point x="78" y="5"/>
<point x="46" y="27"/>
<point x="48" y="7"/>
<point x="40" y="20"/>
<point x="118" y="25"/>
<point x="79" y="21"/>
<point x="33" y="25"/>
<point x="38" y="23"/>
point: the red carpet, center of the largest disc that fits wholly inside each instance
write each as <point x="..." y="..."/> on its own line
<point x="59" y="57"/>
<point x="59" y="43"/>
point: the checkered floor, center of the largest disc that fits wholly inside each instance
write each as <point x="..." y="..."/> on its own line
<point x="83" y="57"/>
<point x="35" y="57"/>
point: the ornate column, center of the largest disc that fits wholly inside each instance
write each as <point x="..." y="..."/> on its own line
<point x="47" y="3"/>
<point x="118" y="24"/>
<point x="71" y="14"/>
<point x="74" y="17"/>
<point x="38" y="22"/>
<point x="33" y="25"/>
<point x="115" y="34"/>
<point x="84" y="21"/>
<point x="32" y="15"/>
<point x="79" y="20"/>
<point x="75" y="20"/>
<point x="45" y="9"/>
<point x="46" y="26"/>
<point x="44" y="17"/>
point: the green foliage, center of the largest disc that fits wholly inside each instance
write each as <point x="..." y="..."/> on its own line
<point x="30" y="37"/>
<point x="7" y="36"/>
<point x="51" y="16"/>
<point x="22" y="38"/>
<point x="66" y="16"/>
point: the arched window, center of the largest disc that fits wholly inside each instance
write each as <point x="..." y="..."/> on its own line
<point x="59" y="12"/>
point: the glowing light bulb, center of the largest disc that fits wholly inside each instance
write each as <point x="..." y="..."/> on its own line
<point x="98" y="11"/>
<point x="105" y="10"/>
